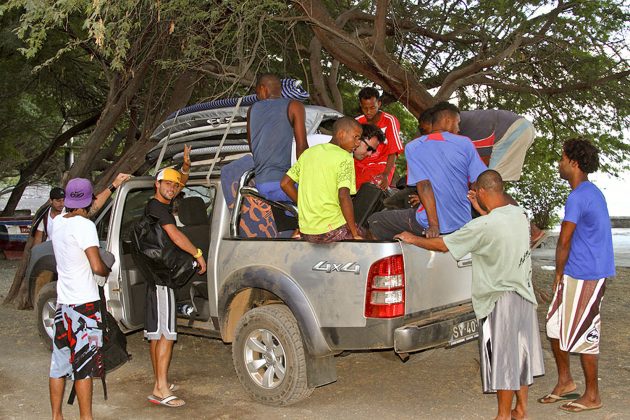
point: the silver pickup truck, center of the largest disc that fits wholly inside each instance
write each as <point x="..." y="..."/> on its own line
<point x="287" y="306"/>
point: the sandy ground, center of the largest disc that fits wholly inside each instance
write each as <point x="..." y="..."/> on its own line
<point x="443" y="384"/>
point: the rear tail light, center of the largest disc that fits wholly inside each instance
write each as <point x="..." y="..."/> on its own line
<point x="385" y="290"/>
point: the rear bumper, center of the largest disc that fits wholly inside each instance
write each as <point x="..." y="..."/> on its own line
<point x="438" y="330"/>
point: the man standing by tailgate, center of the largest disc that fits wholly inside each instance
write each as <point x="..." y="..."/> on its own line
<point x="380" y="166"/>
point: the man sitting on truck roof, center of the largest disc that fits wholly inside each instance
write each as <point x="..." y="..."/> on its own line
<point x="272" y="123"/>
<point x="325" y="174"/>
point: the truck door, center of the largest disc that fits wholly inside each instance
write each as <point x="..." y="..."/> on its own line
<point x="127" y="294"/>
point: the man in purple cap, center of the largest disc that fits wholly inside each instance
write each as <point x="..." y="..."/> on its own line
<point x="43" y="231"/>
<point x="78" y="337"/>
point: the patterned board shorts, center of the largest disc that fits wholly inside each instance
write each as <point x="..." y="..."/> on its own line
<point x="573" y="317"/>
<point x="342" y="233"/>
<point x="77" y="342"/>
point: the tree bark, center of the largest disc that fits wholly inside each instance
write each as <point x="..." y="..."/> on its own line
<point x="133" y="157"/>
<point x="364" y="57"/>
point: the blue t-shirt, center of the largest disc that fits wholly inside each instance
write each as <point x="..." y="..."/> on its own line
<point x="591" y="256"/>
<point x="449" y="162"/>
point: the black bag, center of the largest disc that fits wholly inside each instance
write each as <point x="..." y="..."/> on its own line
<point x="159" y="259"/>
<point x="369" y="200"/>
<point x="114" y="348"/>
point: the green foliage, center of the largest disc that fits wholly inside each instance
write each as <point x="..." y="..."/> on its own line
<point x="541" y="192"/>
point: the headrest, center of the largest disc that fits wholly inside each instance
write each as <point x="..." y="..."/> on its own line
<point x="192" y="211"/>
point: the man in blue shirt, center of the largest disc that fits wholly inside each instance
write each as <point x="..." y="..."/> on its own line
<point x="441" y="165"/>
<point x="584" y="259"/>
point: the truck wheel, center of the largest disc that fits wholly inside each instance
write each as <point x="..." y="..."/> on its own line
<point x="45" y="312"/>
<point x="269" y="357"/>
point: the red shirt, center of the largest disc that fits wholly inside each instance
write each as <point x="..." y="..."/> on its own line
<point x="375" y="164"/>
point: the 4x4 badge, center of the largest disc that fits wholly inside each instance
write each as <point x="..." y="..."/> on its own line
<point x="352" y="267"/>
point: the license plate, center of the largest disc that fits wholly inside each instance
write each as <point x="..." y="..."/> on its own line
<point x="463" y="332"/>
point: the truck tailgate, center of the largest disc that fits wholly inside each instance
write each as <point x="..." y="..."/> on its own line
<point x="434" y="280"/>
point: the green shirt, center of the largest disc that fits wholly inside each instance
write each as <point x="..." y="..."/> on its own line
<point x="320" y="172"/>
<point x="501" y="258"/>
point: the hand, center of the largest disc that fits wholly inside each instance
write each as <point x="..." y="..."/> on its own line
<point x="357" y="237"/>
<point x="406" y="237"/>
<point x="432" y="232"/>
<point x="382" y="181"/>
<point x="556" y="283"/>
<point x="414" y="200"/>
<point x="202" y="265"/>
<point x="120" y="178"/>
<point x="186" y="163"/>
<point x="472" y="197"/>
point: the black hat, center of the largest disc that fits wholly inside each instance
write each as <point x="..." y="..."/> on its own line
<point x="57" y="193"/>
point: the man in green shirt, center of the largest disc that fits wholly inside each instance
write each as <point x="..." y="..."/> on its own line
<point x="502" y="293"/>
<point x="325" y="175"/>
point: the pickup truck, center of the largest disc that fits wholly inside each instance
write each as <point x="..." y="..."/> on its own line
<point x="287" y="306"/>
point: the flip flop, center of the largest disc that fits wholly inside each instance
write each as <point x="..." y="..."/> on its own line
<point x="166" y="401"/>
<point x="573" y="407"/>
<point x="173" y="387"/>
<point x="555" y="398"/>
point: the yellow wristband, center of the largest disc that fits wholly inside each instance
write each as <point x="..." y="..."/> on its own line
<point x="198" y="254"/>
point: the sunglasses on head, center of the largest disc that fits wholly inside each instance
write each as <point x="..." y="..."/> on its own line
<point x="369" y="148"/>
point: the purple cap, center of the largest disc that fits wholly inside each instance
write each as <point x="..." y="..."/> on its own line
<point x="78" y="193"/>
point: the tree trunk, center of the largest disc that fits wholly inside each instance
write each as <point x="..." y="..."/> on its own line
<point x="18" y="292"/>
<point x="133" y="157"/>
<point x="29" y="170"/>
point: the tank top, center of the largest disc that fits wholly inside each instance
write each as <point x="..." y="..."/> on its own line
<point x="271" y="135"/>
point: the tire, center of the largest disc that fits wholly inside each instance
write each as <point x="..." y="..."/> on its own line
<point x="45" y="307"/>
<point x="268" y="338"/>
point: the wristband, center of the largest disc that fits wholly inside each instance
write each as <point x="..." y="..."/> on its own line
<point x="198" y="254"/>
<point x="111" y="188"/>
<point x="185" y="173"/>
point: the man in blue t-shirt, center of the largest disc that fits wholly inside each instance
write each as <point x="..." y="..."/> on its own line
<point x="441" y="165"/>
<point x="584" y="259"/>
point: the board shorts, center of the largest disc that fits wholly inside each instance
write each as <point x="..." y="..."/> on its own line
<point x="509" y="345"/>
<point x="342" y="233"/>
<point x="574" y="315"/>
<point x="77" y="342"/>
<point x="160" y="319"/>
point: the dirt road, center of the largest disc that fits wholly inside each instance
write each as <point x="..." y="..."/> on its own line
<point x="443" y="384"/>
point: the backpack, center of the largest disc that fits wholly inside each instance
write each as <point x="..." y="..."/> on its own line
<point x="159" y="259"/>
